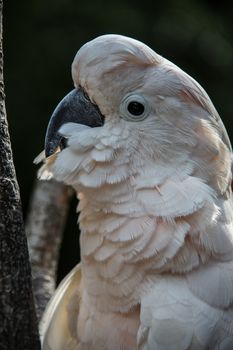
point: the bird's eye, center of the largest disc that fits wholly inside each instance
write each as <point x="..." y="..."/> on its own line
<point x="134" y="108"/>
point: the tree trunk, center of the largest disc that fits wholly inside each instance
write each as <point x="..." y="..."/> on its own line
<point x="18" y="324"/>
<point x="44" y="226"/>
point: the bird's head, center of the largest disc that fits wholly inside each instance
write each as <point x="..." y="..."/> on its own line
<point x="129" y="99"/>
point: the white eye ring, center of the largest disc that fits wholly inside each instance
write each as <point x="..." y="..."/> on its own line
<point x="134" y="108"/>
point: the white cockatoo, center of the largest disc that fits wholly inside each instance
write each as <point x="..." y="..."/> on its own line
<point x="148" y="155"/>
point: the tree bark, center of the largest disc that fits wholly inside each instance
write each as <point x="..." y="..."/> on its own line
<point x="44" y="226"/>
<point x="18" y="324"/>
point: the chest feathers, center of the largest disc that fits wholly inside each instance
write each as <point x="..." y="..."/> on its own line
<point x="138" y="217"/>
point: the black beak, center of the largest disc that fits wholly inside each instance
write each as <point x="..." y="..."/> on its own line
<point x="75" y="107"/>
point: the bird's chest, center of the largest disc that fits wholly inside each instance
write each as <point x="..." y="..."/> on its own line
<point x="107" y="331"/>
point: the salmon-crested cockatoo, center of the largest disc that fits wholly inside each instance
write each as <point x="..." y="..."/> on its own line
<point x="148" y="155"/>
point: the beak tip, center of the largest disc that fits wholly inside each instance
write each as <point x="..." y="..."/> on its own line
<point x="50" y="148"/>
<point x="76" y="108"/>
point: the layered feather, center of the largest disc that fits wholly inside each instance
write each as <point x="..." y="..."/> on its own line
<point x="156" y="206"/>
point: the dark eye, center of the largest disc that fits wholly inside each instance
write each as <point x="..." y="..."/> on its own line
<point x="135" y="108"/>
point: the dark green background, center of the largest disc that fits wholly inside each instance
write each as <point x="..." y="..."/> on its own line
<point x="41" y="38"/>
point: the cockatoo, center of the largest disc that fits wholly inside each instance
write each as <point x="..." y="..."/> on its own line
<point x="147" y="153"/>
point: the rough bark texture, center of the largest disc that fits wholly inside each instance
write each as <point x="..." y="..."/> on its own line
<point x="44" y="227"/>
<point x="18" y="324"/>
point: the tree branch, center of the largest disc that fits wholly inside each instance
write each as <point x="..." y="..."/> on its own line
<point x="44" y="227"/>
<point x="18" y="324"/>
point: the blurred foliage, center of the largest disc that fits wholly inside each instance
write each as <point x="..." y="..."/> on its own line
<point x="41" y="38"/>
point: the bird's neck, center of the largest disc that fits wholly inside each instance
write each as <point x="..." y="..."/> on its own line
<point x="110" y="238"/>
<point x="134" y="230"/>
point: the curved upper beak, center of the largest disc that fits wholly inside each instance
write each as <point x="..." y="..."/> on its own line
<point x="75" y="107"/>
